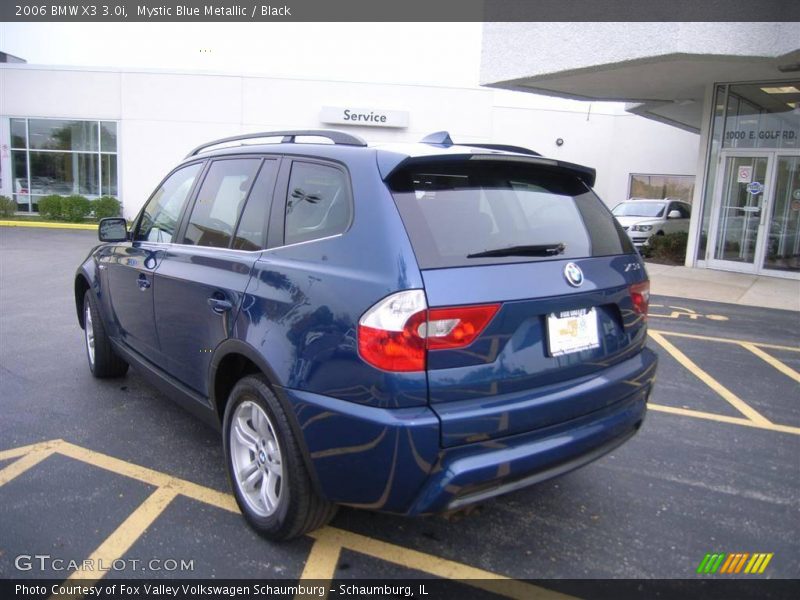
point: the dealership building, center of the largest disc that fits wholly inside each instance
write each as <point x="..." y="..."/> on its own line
<point x="101" y="131"/>
<point x="735" y="84"/>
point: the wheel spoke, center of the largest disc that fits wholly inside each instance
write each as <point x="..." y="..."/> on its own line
<point x="272" y="487"/>
<point x="264" y="492"/>
<point x="249" y="475"/>
<point x="246" y="438"/>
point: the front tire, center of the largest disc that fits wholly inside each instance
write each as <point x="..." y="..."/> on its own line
<point x="104" y="362"/>
<point x="268" y="475"/>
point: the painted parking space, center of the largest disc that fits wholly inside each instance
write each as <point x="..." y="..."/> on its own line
<point x="703" y="475"/>
<point x="320" y="563"/>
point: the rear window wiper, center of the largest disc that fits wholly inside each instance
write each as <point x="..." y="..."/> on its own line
<point x="530" y="250"/>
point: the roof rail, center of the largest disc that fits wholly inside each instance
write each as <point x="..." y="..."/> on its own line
<point x="288" y="137"/>
<point x="442" y="138"/>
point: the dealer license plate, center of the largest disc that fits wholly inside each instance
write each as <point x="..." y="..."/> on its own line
<point x="572" y="331"/>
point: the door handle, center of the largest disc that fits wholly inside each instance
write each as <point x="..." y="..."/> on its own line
<point x="143" y="282"/>
<point x="219" y="305"/>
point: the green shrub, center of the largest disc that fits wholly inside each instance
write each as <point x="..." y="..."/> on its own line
<point x="106" y="206"/>
<point x="7" y="207"/>
<point x="75" y="208"/>
<point x="50" y="207"/>
<point x="670" y="247"/>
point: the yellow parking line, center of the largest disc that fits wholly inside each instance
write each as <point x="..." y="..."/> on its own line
<point x="440" y="567"/>
<point x="23" y="450"/>
<point x="715" y="385"/>
<point x="699" y="414"/>
<point x="323" y="558"/>
<point x="19" y="466"/>
<point x="156" y="478"/>
<point x="119" y="542"/>
<point x="708" y="338"/>
<point x="47" y="225"/>
<point x="783" y="368"/>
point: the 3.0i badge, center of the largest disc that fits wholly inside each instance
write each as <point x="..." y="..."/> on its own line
<point x="573" y="274"/>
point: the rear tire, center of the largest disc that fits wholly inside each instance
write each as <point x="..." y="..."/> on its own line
<point x="104" y="362"/>
<point x="266" y="468"/>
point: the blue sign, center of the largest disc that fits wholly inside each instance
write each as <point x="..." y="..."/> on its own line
<point x="755" y="188"/>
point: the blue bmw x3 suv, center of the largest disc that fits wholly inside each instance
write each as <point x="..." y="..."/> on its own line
<point x="409" y="328"/>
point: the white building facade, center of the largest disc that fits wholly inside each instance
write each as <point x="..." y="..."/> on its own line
<point x="736" y="84"/>
<point x="117" y="132"/>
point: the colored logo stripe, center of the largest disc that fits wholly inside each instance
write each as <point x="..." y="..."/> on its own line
<point x="734" y="563"/>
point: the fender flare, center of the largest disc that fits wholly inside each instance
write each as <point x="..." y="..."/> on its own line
<point x="234" y="346"/>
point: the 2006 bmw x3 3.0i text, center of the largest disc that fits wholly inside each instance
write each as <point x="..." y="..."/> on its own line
<point x="410" y="328"/>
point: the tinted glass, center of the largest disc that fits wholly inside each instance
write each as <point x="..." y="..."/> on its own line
<point x="19" y="138"/>
<point x="640" y="208"/>
<point x="55" y="134"/>
<point x="219" y="202"/>
<point x="251" y="234"/>
<point x="452" y="210"/>
<point x="108" y="136"/>
<point x="64" y="173"/>
<point x="160" y="216"/>
<point x="318" y="204"/>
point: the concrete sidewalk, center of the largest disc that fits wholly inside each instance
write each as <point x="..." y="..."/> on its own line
<point x="724" y="286"/>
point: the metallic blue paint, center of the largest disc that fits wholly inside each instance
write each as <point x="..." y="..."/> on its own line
<point x="497" y="412"/>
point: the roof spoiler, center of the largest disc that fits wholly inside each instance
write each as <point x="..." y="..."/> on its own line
<point x="442" y="138"/>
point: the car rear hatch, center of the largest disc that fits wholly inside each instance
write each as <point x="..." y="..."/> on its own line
<point x="536" y="298"/>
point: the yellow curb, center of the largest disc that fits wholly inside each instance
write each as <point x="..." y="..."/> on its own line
<point x="48" y="225"/>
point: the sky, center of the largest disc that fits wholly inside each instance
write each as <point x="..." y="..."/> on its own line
<point x="412" y="53"/>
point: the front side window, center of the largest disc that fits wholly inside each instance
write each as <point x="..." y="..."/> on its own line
<point x="159" y="218"/>
<point x="220" y="201"/>
<point x="318" y="203"/>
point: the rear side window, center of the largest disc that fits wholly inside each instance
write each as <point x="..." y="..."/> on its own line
<point x="160" y="216"/>
<point x="318" y="203"/>
<point x="220" y="201"/>
<point x="251" y="234"/>
<point x="464" y="213"/>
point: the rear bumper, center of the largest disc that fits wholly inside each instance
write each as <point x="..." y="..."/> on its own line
<point x="392" y="460"/>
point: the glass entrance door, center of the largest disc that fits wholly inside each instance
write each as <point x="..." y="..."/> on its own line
<point x="744" y="191"/>
<point x="783" y="228"/>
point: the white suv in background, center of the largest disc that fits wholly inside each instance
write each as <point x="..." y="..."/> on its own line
<point x="644" y="217"/>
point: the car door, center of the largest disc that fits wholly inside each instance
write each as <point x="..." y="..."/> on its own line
<point x="679" y="224"/>
<point x="201" y="279"/>
<point x="129" y="266"/>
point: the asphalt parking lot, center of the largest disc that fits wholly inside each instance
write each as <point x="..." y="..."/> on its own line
<point x="112" y="469"/>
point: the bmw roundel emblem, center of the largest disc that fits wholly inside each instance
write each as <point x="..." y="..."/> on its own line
<point x="573" y="274"/>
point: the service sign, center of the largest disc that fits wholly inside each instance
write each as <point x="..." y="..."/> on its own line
<point x="365" y="117"/>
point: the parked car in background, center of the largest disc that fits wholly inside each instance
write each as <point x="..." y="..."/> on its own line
<point x="410" y="328"/>
<point x="644" y="217"/>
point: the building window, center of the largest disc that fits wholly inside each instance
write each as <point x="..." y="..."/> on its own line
<point x="58" y="156"/>
<point x="661" y="186"/>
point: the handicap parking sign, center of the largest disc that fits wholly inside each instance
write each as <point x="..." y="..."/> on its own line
<point x="755" y="188"/>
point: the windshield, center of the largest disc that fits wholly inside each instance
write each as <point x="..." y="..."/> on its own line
<point x="639" y="209"/>
<point x="465" y="213"/>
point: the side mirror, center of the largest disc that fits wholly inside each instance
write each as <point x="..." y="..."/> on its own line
<point x="674" y="214"/>
<point x="112" y="229"/>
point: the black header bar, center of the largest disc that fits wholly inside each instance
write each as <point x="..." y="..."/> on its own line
<point x="398" y="11"/>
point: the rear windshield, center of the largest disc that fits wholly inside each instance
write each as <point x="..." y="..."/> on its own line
<point x="465" y="213"/>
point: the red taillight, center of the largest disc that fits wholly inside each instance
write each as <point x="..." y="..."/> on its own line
<point x="396" y="333"/>
<point x="456" y="327"/>
<point x="640" y="296"/>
